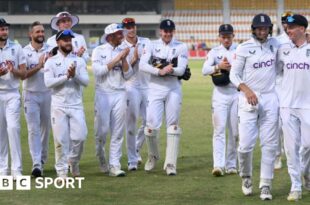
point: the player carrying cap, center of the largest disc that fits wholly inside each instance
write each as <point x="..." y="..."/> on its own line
<point x="224" y="103"/>
<point x="169" y="59"/>
<point x="64" y="20"/>
<point x="37" y="98"/>
<point x="12" y="69"/>
<point x="66" y="75"/>
<point x="253" y="72"/>
<point x="136" y="88"/>
<point x="293" y="58"/>
<point x="111" y="68"/>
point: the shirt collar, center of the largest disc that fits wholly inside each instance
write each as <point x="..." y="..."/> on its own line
<point x="294" y="46"/>
<point x="130" y="44"/>
<point x="33" y="49"/>
<point x="170" y="43"/>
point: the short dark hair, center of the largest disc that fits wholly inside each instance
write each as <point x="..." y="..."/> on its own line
<point x="36" y="23"/>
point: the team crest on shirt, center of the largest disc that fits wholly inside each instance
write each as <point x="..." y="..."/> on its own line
<point x="286" y="53"/>
<point x="76" y="43"/>
<point x="271" y="48"/>
<point x="13" y="51"/>
<point x="143" y="45"/>
<point x="219" y="57"/>
<point x="252" y="52"/>
<point x="29" y="55"/>
<point x="308" y="52"/>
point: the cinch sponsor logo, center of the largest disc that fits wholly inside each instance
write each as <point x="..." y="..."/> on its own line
<point x="32" y="66"/>
<point x="24" y="183"/>
<point x="4" y="64"/>
<point x="264" y="64"/>
<point x="302" y="66"/>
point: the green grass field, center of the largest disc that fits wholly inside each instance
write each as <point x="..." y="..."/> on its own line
<point x="194" y="183"/>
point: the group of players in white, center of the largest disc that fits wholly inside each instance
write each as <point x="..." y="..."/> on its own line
<point x="259" y="91"/>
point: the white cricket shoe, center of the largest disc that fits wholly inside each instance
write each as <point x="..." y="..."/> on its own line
<point x="278" y="163"/>
<point x="150" y="163"/>
<point x="231" y="171"/>
<point x="132" y="167"/>
<point x="116" y="172"/>
<point x="265" y="193"/>
<point x="61" y="177"/>
<point x="171" y="170"/>
<point x="139" y="158"/>
<point x="247" y="187"/>
<point x="294" y="196"/>
<point x="218" y="172"/>
<point x="75" y="169"/>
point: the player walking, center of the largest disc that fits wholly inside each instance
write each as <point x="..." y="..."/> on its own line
<point x="37" y="98"/>
<point x="254" y="74"/>
<point x="170" y="59"/>
<point x="224" y="103"/>
<point x="65" y="74"/>
<point x="12" y="68"/>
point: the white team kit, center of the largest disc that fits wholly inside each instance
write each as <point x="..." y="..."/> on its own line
<point x="37" y="107"/>
<point x="67" y="112"/>
<point x="10" y="110"/>
<point x="295" y="110"/>
<point x="110" y="104"/>
<point x="282" y="39"/>
<point x="136" y="89"/>
<point x="165" y="95"/>
<point x="77" y="42"/>
<point x="224" y="111"/>
<point x="255" y="66"/>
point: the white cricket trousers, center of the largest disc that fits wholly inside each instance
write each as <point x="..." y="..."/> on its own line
<point x="280" y="148"/>
<point x="70" y="130"/>
<point x="136" y="106"/>
<point x="225" y="115"/>
<point x="110" y="115"/>
<point x="296" y="130"/>
<point x="10" y="131"/>
<point x="262" y="122"/>
<point x="37" y="109"/>
<point x="170" y="102"/>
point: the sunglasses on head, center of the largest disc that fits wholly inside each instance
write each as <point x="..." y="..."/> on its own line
<point x="128" y="20"/>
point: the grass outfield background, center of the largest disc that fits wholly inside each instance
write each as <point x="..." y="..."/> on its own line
<point x="194" y="183"/>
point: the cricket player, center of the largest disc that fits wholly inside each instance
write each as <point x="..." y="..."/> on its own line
<point x="111" y="69"/>
<point x="282" y="39"/>
<point x="169" y="60"/>
<point x="65" y="74"/>
<point x="253" y="72"/>
<point x="37" y="98"/>
<point x="136" y="89"/>
<point x="64" y="20"/>
<point x="12" y="68"/>
<point x="293" y="58"/>
<point x="224" y="103"/>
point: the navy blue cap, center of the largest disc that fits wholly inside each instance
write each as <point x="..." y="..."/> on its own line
<point x="167" y="24"/>
<point x="297" y="19"/>
<point x="64" y="34"/>
<point x="226" y="29"/>
<point x="3" y="22"/>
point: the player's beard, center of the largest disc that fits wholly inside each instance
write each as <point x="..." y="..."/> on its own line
<point x="39" y="39"/>
<point x="3" y="38"/>
<point x="66" y="49"/>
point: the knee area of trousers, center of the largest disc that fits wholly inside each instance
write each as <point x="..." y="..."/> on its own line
<point x="174" y="130"/>
<point x="149" y="132"/>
